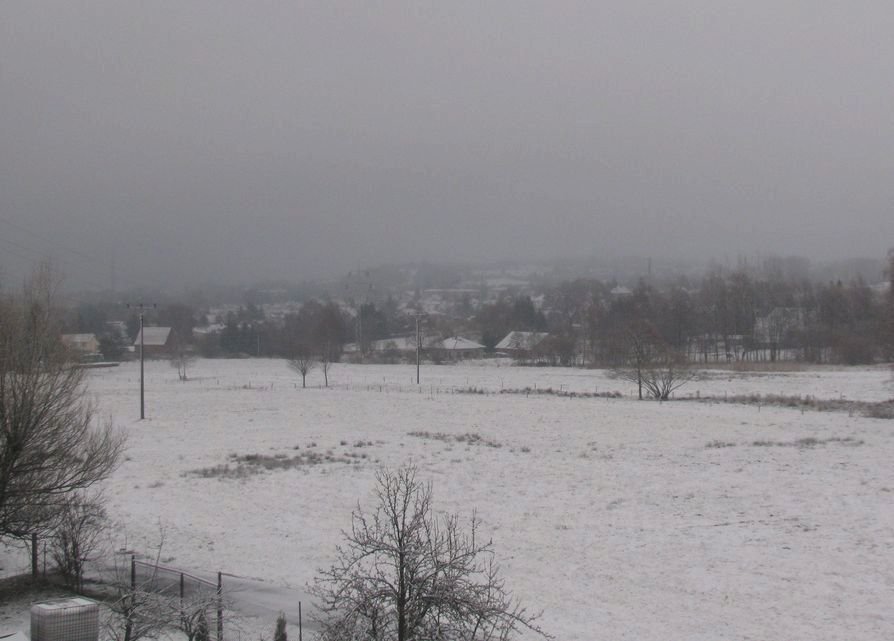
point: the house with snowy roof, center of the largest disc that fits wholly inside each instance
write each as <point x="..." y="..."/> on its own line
<point x="158" y="342"/>
<point x="83" y="344"/>
<point x="456" y="348"/>
<point x="516" y="342"/>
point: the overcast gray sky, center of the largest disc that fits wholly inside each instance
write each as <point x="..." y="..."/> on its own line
<point x="295" y="139"/>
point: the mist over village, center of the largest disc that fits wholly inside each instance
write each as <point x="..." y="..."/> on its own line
<point x="470" y="322"/>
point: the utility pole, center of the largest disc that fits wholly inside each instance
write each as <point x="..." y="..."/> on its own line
<point x="417" y="316"/>
<point x="142" y="307"/>
<point x="364" y="298"/>
<point x="360" y="331"/>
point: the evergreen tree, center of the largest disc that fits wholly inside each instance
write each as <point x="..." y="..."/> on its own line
<point x="280" y="634"/>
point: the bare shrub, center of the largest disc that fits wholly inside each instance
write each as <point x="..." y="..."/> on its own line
<point x="240" y="466"/>
<point x="77" y="536"/>
<point x="150" y="609"/>
<point x="469" y="438"/>
<point x="809" y="441"/>
<point x="656" y="368"/>
<point x="880" y="410"/>
<point x="719" y="444"/>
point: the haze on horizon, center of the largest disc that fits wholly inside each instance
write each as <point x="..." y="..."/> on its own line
<point x="217" y="140"/>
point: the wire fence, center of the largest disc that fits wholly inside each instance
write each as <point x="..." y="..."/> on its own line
<point x="171" y="581"/>
<point x="15" y="558"/>
<point x="233" y="606"/>
<point x="227" y="599"/>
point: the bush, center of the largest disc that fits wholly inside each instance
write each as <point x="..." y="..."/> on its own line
<point x="77" y="537"/>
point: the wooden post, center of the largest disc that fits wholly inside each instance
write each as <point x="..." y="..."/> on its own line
<point x="34" y="555"/>
<point x="299" y="621"/>
<point x="132" y="599"/>
<point x="219" y="606"/>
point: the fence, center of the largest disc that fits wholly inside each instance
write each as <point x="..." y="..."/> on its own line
<point x="193" y="592"/>
<point x="226" y="599"/>
<point x="229" y="597"/>
<point x="15" y="558"/>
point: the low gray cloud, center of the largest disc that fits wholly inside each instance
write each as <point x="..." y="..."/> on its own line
<point x="220" y="140"/>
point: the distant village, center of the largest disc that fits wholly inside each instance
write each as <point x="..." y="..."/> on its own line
<point x="772" y="311"/>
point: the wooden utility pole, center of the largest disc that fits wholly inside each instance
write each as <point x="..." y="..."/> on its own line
<point x="142" y="307"/>
<point x="417" y="316"/>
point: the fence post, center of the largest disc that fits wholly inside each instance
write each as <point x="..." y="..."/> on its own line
<point x="181" y="592"/>
<point x="132" y="598"/>
<point x="299" y="621"/>
<point x="34" y="555"/>
<point x="219" y="606"/>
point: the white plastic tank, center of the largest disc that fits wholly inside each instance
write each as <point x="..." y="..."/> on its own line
<point x="74" y="619"/>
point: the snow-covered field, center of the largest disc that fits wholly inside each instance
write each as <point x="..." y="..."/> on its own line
<point x="612" y="516"/>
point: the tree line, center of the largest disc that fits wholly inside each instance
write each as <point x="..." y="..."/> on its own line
<point x="726" y="315"/>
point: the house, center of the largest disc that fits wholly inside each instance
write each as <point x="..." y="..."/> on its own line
<point x="520" y="343"/>
<point x="157" y="341"/>
<point x="82" y="344"/>
<point x="456" y="348"/>
<point x="620" y="291"/>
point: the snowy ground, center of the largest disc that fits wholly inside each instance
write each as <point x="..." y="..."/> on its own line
<point x="611" y="515"/>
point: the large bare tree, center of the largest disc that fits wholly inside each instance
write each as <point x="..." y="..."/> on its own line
<point x="405" y="573"/>
<point x="50" y="442"/>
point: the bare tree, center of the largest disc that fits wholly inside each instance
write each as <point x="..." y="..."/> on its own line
<point x="182" y="357"/>
<point x="326" y="363"/>
<point x="302" y="361"/>
<point x="405" y="573"/>
<point x="50" y="443"/>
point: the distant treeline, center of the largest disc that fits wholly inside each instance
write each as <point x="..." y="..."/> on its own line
<point x="727" y="315"/>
